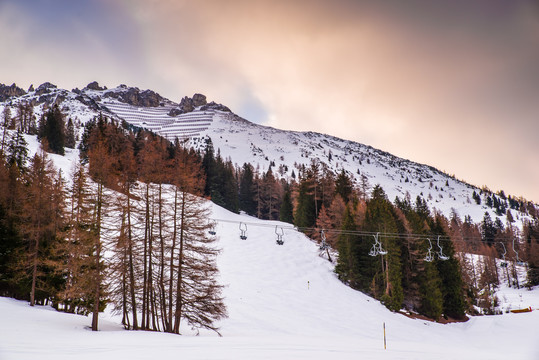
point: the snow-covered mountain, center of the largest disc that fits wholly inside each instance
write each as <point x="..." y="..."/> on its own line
<point x="283" y="301"/>
<point x="196" y="120"/>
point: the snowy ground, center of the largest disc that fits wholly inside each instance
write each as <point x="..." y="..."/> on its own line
<point x="284" y="302"/>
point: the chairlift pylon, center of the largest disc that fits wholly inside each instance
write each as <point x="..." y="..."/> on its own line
<point x="243" y="229"/>
<point x="280" y="232"/>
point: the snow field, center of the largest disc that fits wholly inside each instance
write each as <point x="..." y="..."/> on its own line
<point x="274" y="314"/>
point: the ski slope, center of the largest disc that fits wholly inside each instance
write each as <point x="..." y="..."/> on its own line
<point x="284" y="302"/>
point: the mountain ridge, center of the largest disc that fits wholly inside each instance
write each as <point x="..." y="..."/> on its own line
<point x="194" y="120"/>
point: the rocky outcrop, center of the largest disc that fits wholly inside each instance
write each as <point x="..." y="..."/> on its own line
<point x="214" y="106"/>
<point x="188" y="104"/>
<point x="199" y="100"/>
<point x="135" y="97"/>
<point x="94" y="86"/>
<point x="175" y="112"/>
<point x="88" y="102"/>
<point x="45" y="88"/>
<point x="7" y="92"/>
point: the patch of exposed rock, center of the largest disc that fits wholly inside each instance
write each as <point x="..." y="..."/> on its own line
<point x="7" y="92"/>
<point x="188" y="104"/>
<point x="214" y="106"/>
<point x="95" y="86"/>
<point x="45" y="88"/>
<point x="135" y="97"/>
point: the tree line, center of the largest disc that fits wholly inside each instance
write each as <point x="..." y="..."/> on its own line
<point x="146" y="184"/>
<point x="318" y="199"/>
<point x="125" y="228"/>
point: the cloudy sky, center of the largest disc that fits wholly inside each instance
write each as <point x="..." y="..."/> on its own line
<point x="453" y="84"/>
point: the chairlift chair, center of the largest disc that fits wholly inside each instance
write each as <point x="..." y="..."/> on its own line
<point x="377" y="247"/>
<point x="519" y="262"/>
<point x="243" y="230"/>
<point x="503" y="263"/>
<point x="323" y="244"/>
<point x="429" y="257"/>
<point x="441" y="255"/>
<point x="280" y="232"/>
<point x="381" y="250"/>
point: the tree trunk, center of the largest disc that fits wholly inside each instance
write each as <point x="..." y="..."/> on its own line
<point x="145" y="271"/>
<point x="34" y="270"/>
<point x="179" y="299"/>
<point x="162" y="292"/>
<point x="131" y="266"/>
<point x="173" y="247"/>
<point x="97" y="289"/>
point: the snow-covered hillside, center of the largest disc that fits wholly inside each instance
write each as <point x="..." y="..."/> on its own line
<point x="243" y="141"/>
<point x="284" y="302"/>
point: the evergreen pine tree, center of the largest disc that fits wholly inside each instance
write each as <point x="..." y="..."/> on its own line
<point x="488" y="229"/>
<point x="17" y="151"/>
<point x="286" y="213"/>
<point x="450" y="275"/>
<point x="430" y="290"/>
<point x="70" y="141"/>
<point x="6" y="119"/>
<point x="11" y="245"/>
<point x="229" y="187"/>
<point x="387" y="283"/>
<point x="53" y="130"/>
<point x="348" y="266"/>
<point x="343" y="186"/>
<point x="246" y="199"/>
<point x="209" y="167"/>
<point x="305" y="215"/>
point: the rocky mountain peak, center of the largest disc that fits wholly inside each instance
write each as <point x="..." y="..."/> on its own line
<point x="7" y="92"/>
<point x="95" y="86"/>
<point x="45" y="88"/>
<point x="188" y="104"/>
<point x="135" y="97"/>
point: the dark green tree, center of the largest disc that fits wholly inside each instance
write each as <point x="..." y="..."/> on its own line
<point x="247" y="200"/>
<point x="380" y="216"/>
<point x="70" y="140"/>
<point x="17" y="151"/>
<point x="450" y="275"/>
<point x="343" y="186"/>
<point x="286" y="212"/>
<point x="430" y="285"/>
<point x="349" y="263"/>
<point x="305" y="215"/>
<point x="84" y="144"/>
<point x="229" y="189"/>
<point x="488" y="229"/>
<point x="52" y="128"/>
<point x="209" y="167"/>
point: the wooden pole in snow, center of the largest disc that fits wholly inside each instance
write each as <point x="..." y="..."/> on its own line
<point x="385" y="336"/>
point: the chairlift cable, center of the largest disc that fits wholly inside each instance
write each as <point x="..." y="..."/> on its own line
<point x="396" y="236"/>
